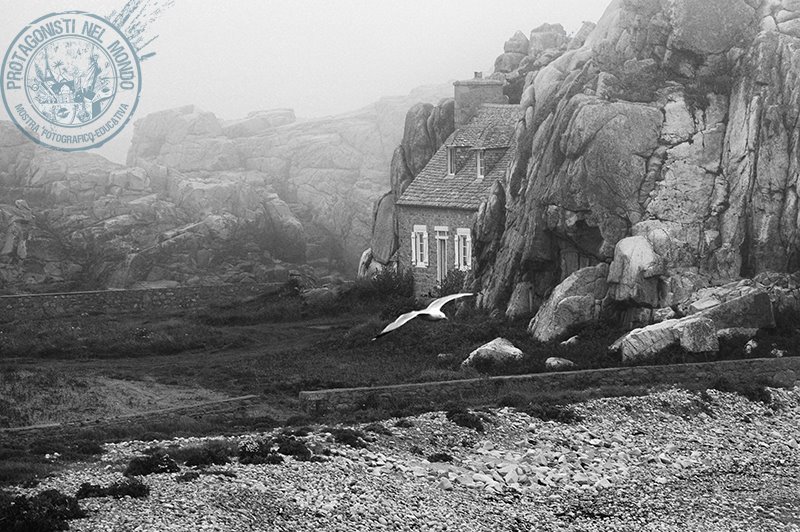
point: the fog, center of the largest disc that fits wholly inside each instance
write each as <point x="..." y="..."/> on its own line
<point x="318" y="57"/>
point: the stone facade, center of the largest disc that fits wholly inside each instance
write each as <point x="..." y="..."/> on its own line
<point x="781" y="372"/>
<point x="425" y="278"/>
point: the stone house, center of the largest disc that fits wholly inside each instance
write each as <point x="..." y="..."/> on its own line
<point x="437" y="211"/>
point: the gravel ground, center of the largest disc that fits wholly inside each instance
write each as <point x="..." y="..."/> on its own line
<point x="671" y="461"/>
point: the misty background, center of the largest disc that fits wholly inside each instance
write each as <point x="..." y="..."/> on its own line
<point x="317" y="57"/>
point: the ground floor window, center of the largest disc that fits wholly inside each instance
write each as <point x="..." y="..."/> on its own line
<point x="463" y="241"/>
<point x="419" y="246"/>
<point x="442" y="241"/>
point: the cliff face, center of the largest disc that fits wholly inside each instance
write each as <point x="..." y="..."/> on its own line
<point x="665" y="145"/>
<point x="200" y="200"/>
<point x="426" y="129"/>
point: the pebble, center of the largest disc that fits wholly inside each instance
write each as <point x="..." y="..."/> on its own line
<point x="627" y="462"/>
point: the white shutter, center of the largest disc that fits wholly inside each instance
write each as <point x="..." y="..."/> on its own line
<point x="413" y="248"/>
<point x="468" y="262"/>
<point x="425" y="249"/>
<point x="457" y="254"/>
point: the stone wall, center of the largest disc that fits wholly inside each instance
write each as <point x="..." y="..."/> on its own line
<point x="37" y="306"/>
<point x="487" y="391"/>
<point x="425" y="278"/>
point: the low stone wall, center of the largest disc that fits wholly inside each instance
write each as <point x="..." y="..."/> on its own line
<point x="37" y="306"/>
<point x="780" y="372"/>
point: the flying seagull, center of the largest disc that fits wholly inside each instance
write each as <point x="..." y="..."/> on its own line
<point x="433" y="312"/>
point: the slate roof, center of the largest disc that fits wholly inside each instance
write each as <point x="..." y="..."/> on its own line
<point x="491" y="129"/>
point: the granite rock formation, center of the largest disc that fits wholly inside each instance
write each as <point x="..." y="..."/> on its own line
<point x="200" y="200"/>
<point x="427" y="127"/>
<point x="664" y="145"/>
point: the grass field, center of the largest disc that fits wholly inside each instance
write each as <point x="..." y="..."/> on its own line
<point x="100" y="366"/>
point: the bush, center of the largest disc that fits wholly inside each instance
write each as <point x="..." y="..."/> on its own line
<point x="21" y="470"/>
<point x="129" y="487"/>
<point x="258" y="451"/>
<point x="465" y="419"/>
<point x="378" y="428"/>
<point x="350" y="437"/>
<point x="49" y="510"/>
<point x="453" y="283"/>
<point x="755" y="392"/>
<point x="385" y="283"/>
<point x="291" y="446"/>
<point x="187" y="476"/>
<point x="214" y="452"/>
<point x="158" y="462"/>
<point x="549" y="412"/>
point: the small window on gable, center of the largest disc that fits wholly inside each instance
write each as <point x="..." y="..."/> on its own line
<point x="451" y="160"/>
<point x="463" y="244"/>
<point x="481" y="163"/>
<point x="419" y="246"/>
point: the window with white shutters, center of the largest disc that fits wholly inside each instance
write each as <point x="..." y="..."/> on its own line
<point x="419" y="246"/>
<point x="463" y="245"/>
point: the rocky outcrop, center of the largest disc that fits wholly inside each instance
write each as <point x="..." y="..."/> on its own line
<point x="427" y="127"/>
<point x="200" y="200"/>
<point x="661" y="145"/>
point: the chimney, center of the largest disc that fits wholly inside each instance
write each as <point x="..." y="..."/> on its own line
<point x="471" y="94"/>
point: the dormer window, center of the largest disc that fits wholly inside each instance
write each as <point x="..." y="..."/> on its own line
<point x="451" y="161"/>
<point x="481" y="163"/>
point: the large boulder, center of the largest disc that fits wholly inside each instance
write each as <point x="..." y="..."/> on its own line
<point x="546" y="37"/>
<point x="495" y="355"/>
<point x="576" y="301"/>
<point x="734" y="305"/>
<point x="517" y="44"/>
<point x="695" y="335"/>
<point x="634" y="273"/>
<point x="710" y="26"/>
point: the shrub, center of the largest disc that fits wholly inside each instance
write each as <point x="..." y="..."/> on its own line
<point x="453" y="283"/>
<point x="158" y="462"/>
<point x="258" y="451"/>
<point x="216" y="452"/>
<point x="49" y="510"/>
<point x="291" y="446"/>
<point x="129" y="487"/>
<point x="378" y="428"/>
<point x="513" y="400"/>
<point x="465" y="419"/>
<point x="22" y="471"/>
<point x="350" y="437"/>
<point x="188" y="476"/>
<point x="549" y="412"/>
<point x="300" y="432"/>
<point x="755" y="392"/>
<point x="385" y="283"/>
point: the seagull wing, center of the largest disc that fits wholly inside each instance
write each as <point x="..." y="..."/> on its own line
<point x="437" y="304"/>
<point x="399" y="322"/>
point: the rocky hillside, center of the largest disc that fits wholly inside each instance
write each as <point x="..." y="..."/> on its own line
<point x="664" y="149"/>
<point x="200" y="200"/>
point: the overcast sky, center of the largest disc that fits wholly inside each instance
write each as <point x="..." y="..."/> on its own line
<point x="319" y="57"/>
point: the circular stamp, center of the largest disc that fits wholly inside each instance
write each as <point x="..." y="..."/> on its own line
<point x="71" y="81"/>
